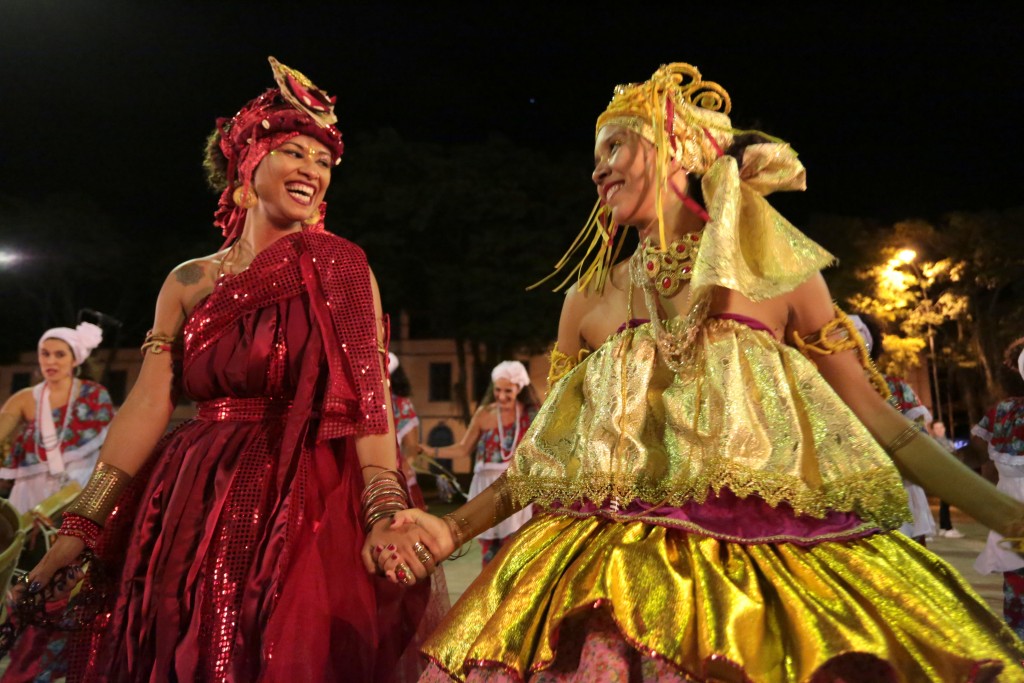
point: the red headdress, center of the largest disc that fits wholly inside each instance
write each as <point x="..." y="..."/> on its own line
<point x="295" y="107"/>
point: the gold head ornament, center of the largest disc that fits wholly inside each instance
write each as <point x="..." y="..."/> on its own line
<point x="686" y="119"/>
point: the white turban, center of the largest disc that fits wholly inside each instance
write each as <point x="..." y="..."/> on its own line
<point x="862" y="329"/>
<point x="1020" y="363"/>
<point x="513" y="371"/>
<point x="392" y="363"/>
<point x="82" y="340"/>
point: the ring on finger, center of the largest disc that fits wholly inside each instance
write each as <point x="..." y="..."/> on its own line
<point x="422" y="554"/>
<point x="403" y="573"/>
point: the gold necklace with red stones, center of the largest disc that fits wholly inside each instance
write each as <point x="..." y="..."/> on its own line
<point x="668" y="270"/>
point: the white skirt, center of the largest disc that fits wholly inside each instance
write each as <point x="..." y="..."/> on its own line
<point x="31" y="490"/>
<point x="995" y="559"/>
<point x="924" y="523"/>
<point x="485" y="474"/>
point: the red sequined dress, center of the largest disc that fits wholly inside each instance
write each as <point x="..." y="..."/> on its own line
<point x="243" y="536"/>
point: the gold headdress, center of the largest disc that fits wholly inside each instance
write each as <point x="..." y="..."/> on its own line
<point x="686" y="119"/>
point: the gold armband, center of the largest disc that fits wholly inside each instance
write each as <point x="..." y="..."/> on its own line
<point x="903" y="438"/>
<point x="562" y="363"/>
<point x="838" y="335"/>
<point x="99" y="497"/>
<point x="157" y="343"/>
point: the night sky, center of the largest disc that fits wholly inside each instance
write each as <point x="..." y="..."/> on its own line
<point x="895" y="112"/>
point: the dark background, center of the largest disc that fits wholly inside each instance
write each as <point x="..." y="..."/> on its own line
<point x="897" y="111"/>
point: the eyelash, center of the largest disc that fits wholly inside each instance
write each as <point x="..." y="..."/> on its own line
<point x="297" y="155"/>
<point x="612" y="147"/>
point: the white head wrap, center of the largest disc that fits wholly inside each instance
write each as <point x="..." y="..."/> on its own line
<point x="1020" y="363"/>
<point x="513" y="371"/>
<point x="82" y="340"/>
<point x="864" y="332"/>
<point x="392" y="363"/>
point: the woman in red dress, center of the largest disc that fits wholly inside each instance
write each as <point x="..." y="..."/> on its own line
<point x="243" y="538"/>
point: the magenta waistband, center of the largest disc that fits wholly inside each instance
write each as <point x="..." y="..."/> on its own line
<point x="728" y="517"/>
<point x="242" y="409"/>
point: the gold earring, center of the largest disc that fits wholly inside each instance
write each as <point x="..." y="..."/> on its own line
<point x="244" y="197"/>
<point x="314" y="218"/>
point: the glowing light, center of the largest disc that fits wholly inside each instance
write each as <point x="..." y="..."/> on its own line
<point x="9" y="258"/>
<point x="906" y="255"/>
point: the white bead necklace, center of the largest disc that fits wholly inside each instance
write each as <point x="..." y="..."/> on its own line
<point x="507" y="455"/>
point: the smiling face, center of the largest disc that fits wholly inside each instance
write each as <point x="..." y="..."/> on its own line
<point x="56" y="361"/>
<point x="291" y="181"/>
<point x="624" y="175"/>
<point x="505" y="392"/>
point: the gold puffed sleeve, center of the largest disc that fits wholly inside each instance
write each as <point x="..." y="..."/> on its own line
<point x="562" y="363"/>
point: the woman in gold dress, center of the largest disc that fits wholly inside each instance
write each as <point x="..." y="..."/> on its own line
<point x="719" y="481"/>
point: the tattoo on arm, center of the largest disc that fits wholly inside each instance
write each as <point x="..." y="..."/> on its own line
<point x="189" y="274"/>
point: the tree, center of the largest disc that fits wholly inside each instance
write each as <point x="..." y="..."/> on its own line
<point x="964" y="285"/>
<point x="455" y="233"/>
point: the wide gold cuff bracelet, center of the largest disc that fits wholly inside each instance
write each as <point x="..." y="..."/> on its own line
<point x="100" y="495"/>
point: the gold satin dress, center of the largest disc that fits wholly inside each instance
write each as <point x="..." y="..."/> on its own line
<point x="732" y="519"/>
<point x="753" y="420"/>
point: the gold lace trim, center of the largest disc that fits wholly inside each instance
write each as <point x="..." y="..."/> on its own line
<point x="562" y="363"/>
<point x="838" y="335"/>
<point x="877" y="496"/>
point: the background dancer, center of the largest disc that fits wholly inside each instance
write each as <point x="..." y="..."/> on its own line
<point x="63" y="419"/>
<point x="508" y="408"/>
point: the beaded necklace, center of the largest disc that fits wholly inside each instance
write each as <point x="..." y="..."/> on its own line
<point x="507" y="455"/>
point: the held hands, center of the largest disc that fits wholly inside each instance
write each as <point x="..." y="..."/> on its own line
<point x="409" y="548"/>
<point x="64" y="552"/>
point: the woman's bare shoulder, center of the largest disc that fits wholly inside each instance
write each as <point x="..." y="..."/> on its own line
<point x="194" y="271"/>
<point x="22" y="398"/>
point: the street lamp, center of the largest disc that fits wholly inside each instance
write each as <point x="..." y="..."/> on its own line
<point x="9" y="257"/>
<point x="908" y="257"/>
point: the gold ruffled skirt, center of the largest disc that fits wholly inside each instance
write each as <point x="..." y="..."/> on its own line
<point x="775" y="612"/>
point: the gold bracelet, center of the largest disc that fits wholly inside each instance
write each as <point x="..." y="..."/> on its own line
<point x="502" y="498"/>
<point x="459" y="529"/>
<point x="903" y="438"/>
<point x="101" y="494"/>
<point x="158" y="343"/>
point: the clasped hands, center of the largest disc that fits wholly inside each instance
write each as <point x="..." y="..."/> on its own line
<point x="408" y="547"/>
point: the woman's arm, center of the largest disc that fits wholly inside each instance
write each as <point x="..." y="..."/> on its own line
<point x="377" y="457"/>
<point x="410" y="446"/>
<point x="376" y="452"/>
<point x="466" y="445"/>
<point x="133" y="434"/>
<point x="916" y="455"/>
<point x="143" y="419"/>
<point x="14" y="411"/>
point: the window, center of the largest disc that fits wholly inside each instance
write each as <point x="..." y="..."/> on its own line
<point x="440" y="381"/>
<point x="441" y="435"/>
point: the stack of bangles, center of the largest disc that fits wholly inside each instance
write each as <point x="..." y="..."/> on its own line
<point x="86" y="516"/>
<point x="461" y="532"/>
<point x="383" y="497"/>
